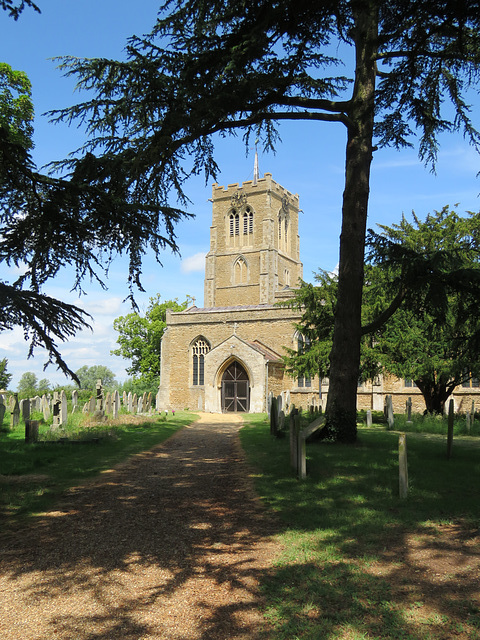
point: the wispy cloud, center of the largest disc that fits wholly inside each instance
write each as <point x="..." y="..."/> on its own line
<point x="193" y="263"/>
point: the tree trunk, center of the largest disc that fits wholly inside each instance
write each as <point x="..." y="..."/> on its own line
<point x="341" y="410"/>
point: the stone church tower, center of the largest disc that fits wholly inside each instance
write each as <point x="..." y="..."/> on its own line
<point x="227" y="356"/>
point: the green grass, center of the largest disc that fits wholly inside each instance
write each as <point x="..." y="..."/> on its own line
<point x="38" y="473"/>
<point x="345" y="516"/>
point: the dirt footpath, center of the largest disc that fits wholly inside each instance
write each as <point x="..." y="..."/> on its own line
<point x="170" y="545"/>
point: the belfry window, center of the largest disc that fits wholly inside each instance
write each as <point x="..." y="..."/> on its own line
<point x="234" y="224"/>
<point x="247" y="221"/>
<point x="240" y="271"/>
<point x="200" y="348"/>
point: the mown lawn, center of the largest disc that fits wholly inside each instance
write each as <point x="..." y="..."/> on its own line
<point x="358" y="562"/>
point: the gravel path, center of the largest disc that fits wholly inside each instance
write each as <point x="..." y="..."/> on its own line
<point x="170" y="545"/>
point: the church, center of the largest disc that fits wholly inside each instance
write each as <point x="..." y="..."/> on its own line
<point x="227" y="356"/>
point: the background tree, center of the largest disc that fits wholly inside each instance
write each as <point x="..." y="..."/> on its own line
<point x="210" y="67"/>
<point x="88" y="377"/>
<point x="140" y="337"/>
<point x="4" y="376"/>
<point x="420" y="300"/>
<point x="15" y="8"/>
<point x="27" y="385"/>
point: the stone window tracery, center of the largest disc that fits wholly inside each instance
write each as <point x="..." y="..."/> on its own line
<point x="240" y="271"/>
<point x="199" y="349"/>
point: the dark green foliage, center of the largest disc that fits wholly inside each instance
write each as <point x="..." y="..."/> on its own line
<point x="4" y="376"/>
<point x="420" y="307"/>
<point x="211" y="68"/>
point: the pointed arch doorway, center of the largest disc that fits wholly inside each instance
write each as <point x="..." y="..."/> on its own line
<point x="235" y="388"/>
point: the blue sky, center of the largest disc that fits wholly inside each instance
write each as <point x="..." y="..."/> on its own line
<point x="309" y="161"/>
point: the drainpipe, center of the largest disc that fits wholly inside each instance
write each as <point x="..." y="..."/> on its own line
<point x="266" y="387"/>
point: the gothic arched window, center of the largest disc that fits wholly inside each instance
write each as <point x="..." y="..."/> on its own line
<point x="240" y="271"/>
<point x="199" y="349"/>
<point x="234" y="224"/>
<point x="247" y="221"/>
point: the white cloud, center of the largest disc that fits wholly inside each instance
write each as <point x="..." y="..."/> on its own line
<point x="193" y="263"/>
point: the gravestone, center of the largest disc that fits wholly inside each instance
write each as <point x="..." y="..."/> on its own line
<point x="279" y="404"/>
<point x="149" y="401"/>
<point x="63" y="408"/>
<point x="31" y="431"/>
<point x="3" y="408"/>
<point x="74" y="400"/>
<point x="25" y="408"/>
<point x="86" y="407"/>
<point x="45" y="408"/>
<point x="402" y="466"/>
<point x="108" y="403"/>
<point x="369" y="418"/>
<point x="124" y="398"/>
<point x="134" y="403"/>
<point x="269" y="402"/>
<point x="116" y="404"/>
<point x="129" y="402"/>
<point x="409" y="410"/>
<point x="91" y="405"/>
<point x="390" y="417"/>
<point x="144" y="401"/>
<point x="99" y="396"/>
<point x="56" y="409"/>
<point x="140" y="405"/>
<point x="468" y="422"/>
<point x="15" y="415"/>
<point x="273" y="417"/>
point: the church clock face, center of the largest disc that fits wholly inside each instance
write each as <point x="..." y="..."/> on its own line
<point x="235" y="389"/>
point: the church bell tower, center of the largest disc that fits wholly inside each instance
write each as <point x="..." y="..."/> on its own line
<point x="254" y="243"/>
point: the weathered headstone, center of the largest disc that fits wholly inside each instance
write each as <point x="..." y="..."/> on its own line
<point x="99" y="396"/>
<point x="124" y="399"/>
<point x="25" y="408"/>
<point x="134" y="403"/>
<point x="91" y="405"/>
<point x="402" y="466"/>
<point x="369" y="418"/>
<point x="63" y="408"/>
<point x="409" y="410"/>
<point x="15" y="415"/>
<point x="86" y="407"/>
<point x="3" y="408"/>
<point x="281" y="422"/>
<point x="129" y="402"/>
<point x="56" y="409"/>
<point x="116" y="405"/>
<point x="45" y="408"/>
<point x="74" y="400"/>
<point x="149" y="402"/>
<point x="140" y="405"/>
<point x="108" y="403"/>
<point x="468" y="422"/>
<point x="273" y="417"/>
<point x="144" y="401"/>
<point x="269" y="402"/>
<point x="390" y="417"/>
<point x="31" y="431"/>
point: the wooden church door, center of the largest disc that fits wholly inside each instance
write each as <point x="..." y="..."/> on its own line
<point x="235" y="388"/>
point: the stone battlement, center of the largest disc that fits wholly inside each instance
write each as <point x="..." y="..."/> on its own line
<point x="263" y="184"/>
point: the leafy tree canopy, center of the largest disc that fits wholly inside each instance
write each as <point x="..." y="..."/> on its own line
<point x="420" y="300"/>
<point x="140" y="337"/>
<point x="88" y="377"/>
<point x="27" y="384"/>
<point x="211" y="68"/>
<point x="4" y="376"/>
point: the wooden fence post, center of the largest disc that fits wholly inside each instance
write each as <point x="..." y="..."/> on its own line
<point x="402" y="465"/>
